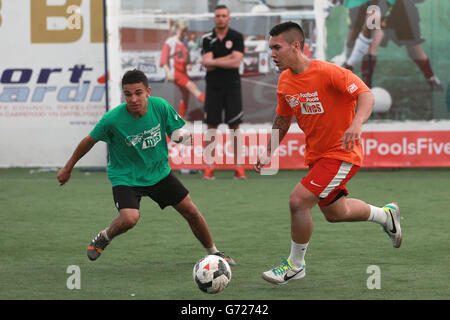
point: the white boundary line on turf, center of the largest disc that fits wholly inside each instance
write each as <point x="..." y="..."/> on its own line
<point x="260" y="83"/>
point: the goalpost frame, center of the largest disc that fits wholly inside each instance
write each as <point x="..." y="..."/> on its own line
<point x="115" y="19"/>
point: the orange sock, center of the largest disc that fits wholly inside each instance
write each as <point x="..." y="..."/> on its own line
<point x="201" y="98"/>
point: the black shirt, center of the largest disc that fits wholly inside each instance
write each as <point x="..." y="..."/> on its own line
<point x="220" y="48"/>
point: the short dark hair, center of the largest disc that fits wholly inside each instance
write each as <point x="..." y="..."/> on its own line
<point x="294" y="29"/>
<point x="134" y="76"/>
<point x="221" y="6"/>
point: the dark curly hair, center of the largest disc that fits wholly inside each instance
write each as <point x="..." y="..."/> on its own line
<point x="134" y="76"/>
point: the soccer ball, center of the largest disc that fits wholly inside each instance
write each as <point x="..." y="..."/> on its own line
<point x="212" y="274"/>
<point x="383" y="100"/>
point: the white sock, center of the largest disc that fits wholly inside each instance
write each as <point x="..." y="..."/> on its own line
<point x="212" y="250"/>
<point x="297" y="255"/>
<point x="105" y="234"/>
<point x="377" y="215"/>
<point x="348" y="50"/>
<point x="359" y="50"/>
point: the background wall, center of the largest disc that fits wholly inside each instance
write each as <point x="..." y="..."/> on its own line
<point x="52" y="74"/>
<point x="52" y="88"/>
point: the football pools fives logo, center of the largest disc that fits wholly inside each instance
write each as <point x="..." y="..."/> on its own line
<point x="293" y="100"/>
<point x="149" y="138"/>
<point x="309" y="102"/>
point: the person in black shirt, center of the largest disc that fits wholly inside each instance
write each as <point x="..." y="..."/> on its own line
<point x="223" y="51"/>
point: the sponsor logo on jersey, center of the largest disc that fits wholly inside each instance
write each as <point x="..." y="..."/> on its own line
<point x="149" y="138"/>
<point x="292" y="100"/>
<point x="309" y="102"/>
<point x="352" y="88"/>
<point x="311" y="107"/>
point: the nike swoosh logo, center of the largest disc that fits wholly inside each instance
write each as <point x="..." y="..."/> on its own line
<point x="314" y="184"/>
<point x="394" y="229"/>
<point x="286" y="277"/>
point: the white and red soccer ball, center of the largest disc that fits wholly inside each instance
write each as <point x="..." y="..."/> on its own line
<point x="383" y="100"/>
<point x="212" y="274"/>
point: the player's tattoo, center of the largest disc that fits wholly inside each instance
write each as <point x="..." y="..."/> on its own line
<point x="281" y="125"/>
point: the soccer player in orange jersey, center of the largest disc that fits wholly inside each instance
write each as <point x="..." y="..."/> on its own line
<point x="323" y="97"/>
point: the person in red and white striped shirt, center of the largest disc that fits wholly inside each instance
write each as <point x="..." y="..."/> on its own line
<point x="175" y="61"/>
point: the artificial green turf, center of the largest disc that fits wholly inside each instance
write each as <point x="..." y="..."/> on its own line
<point x="45" y="228"/>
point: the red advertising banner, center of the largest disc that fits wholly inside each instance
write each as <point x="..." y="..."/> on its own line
<point x="407" y="149"/>
<point x="381" y="149"/>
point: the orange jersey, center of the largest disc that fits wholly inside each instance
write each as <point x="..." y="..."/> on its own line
<point x="323" y="100"/>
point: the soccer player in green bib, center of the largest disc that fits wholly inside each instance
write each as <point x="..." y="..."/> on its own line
<point x="138" y="165"/>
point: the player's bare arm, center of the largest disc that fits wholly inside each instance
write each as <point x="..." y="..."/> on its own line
<point x="168" y="72"/>
<point x="83" y="147"/>
<point x="280" y="126"/>
<point x="364" y="107"/>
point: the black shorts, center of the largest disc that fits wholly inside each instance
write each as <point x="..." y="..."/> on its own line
<point x="220" y="100"/>
<point x="403" y="25"/>
<point x="167" y="192"/>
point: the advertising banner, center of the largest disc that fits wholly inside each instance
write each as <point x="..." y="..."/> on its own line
<point x="52" y="71"/>
<point x="52" y="83"/>
<point x="381" y="149"/>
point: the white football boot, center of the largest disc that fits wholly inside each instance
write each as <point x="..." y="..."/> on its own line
<point x="392" y="227"/>
<point x="339" y="59"/>
<point x="284" y="272"/>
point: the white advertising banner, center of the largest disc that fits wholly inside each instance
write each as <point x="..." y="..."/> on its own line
<point x="52" y="79"/>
